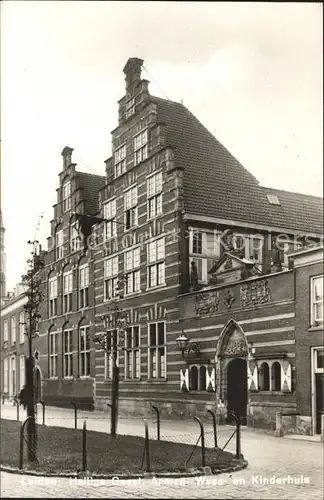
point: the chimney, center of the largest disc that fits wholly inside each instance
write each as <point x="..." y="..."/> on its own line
<point x="132" y="71"/>
<point x="67" y="157"/>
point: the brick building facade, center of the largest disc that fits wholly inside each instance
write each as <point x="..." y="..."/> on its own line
<point x="170" y="194"/>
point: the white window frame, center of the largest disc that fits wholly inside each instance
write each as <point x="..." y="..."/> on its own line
<point x="22" y="327"/>
<point x="316" y="321"/>
<point x="141" y="146"/>
<point x="13" y="328"/>
<point x="206" y="258"/>
<point x="53" y="354"/>
<point x="156" y="263"/>
<point x="67" y="291"/>
<point x="22" y="373"/>
<point x="132" y="262"/>
<point x="13" y="379"/>
<point x="5" y="330"/>
<point x="59" y="244"/>
<point x="66" y="195"/>
<point x="120" y="160"/>
<point x="68" y="354"/>
<point x="75" y="240"/>
<point x="52" y="296"/>
<point x="111" y="271"/>
<point x="84" y="351"/>
<point x="156" y="369"/>
<point x="132" y="360"/>
<point x="130" y="207"/>
<point x="6" y="375"/>
<point x="154" y="187"/>
<point x="109" y="211"/>
<point x="84" y="286"/>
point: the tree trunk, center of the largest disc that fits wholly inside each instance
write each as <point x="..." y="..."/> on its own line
<point x="114" y="386"/>
<point x="31" y="424"/>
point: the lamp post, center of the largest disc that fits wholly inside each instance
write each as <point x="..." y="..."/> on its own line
<point x="115" y="323"/>
<point x="186" y="346"/>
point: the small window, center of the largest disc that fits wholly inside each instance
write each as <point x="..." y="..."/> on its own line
<point x="194" y="379"/>
<point x="264" y="377"/>
<point x="276" y="376"/>
<point x="273" y="199"/>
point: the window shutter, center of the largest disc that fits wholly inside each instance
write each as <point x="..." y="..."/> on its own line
<point x="285" y="376"/>
<point x="210" y="379"/>
<point x="252" y="376"/>
<point x="184" y="380"/>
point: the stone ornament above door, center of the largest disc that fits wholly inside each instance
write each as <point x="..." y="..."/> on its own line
<point x="236" y="345"/>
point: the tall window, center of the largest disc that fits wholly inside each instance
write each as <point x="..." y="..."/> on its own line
<point x="75" y="240"/>
<point x="110" y="214"/>
<point x="5" y="330"/>
<point x="253" y="249"/>
<point x="120" y="160"/>
<point x="6" y="375"/>
<point x="156" y="269"/>
<point x="53" y="354"/>
<point x="52" y="294"/>
<point x="84" y="286"/>
<point x="130" y="204"/>
<point x="132" y="264"/>
<point x="22" y="370"/>
<point x="264" y="377"/>
<point x="111" y="277"/>
<point x="141" y="146"/>
<point x="59" y="242"/>
<point x="22" y="327"/>
<point x="67" y="353"/>
<point x="13" y="376"/>
<point x="157" y="350"/>
<point x="276" y="376"/>
<point x="66" y="196"/>
<point x="132" y="353"/>
<point x="109" y="354"/>
<point x="204" y="248"/>
<point x="67" y="291"/>
<point x="317" y="300"/>
<point x="84" y="351"/>
<point x="154" y="195"/>
<point x="130" y="107"/>
<point x="13" y="329"/>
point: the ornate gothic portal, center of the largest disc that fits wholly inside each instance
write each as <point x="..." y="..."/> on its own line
<point x="232" y="385"/>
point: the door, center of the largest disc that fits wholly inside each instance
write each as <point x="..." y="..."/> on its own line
<point x="319" y="400"/>
<point x="237" y="389"/>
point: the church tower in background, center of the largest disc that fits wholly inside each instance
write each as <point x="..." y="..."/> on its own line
<point x="2" y="262"/>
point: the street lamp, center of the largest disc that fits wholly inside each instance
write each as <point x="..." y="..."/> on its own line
<point x="186" y="346"/>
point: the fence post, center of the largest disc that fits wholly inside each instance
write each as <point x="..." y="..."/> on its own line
<point x="21" y="442"/>
<point x="214" y="426"/>
<point x="84" y="446"/>
<point x="75" y="415"/>
<point x="17" y="404"/>
<point x="157" y="421"/>
<point x="147" y="447"/>
<point x="202" y="434"/>
<point x="238" y="434"/>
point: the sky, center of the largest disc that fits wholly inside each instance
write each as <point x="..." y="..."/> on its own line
<point x="252" y="73"/>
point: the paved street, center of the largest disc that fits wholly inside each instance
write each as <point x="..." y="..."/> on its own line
<point x="274" y="460"/>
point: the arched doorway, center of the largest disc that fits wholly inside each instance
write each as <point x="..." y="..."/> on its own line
<point x="237" y="388"/>
<point x="37" y="385"/>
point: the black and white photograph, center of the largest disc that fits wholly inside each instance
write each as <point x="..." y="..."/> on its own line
<point x="162" y="250"/>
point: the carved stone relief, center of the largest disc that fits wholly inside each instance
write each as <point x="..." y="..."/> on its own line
<point x="254" y="293"/>
<point x="207" y="303"/>
<point x="229" y="298"/>
<point x="236" y="345"/>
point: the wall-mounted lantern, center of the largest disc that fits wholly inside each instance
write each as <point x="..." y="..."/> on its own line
<point x="187" y="347"/>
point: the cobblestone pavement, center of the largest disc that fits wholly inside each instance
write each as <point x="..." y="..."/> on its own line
<point x="297" y="463"/>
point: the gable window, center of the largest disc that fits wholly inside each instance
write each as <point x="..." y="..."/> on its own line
<point x="120" y="160"/>
<point x="132" y="353"/>
<point x="110" y="214"/>
<point x="157" y="350"/>
<point x="317" y="300"/>
<point x="156" y="267"/>
<point x="204" y="250"/>
<point x="67" y="353"/>
<point x="154" y="195"/>
<point x="53" y="354"/>
<point x="52" y="294"/>
<point x="22" y="327"/>
<point x="13" y="330"/>
<point x="84" y="286"/>
<point x="132" y="264"/>
<point x="5" y="330"/>
<point x="67" y="291"/>
<point x="141" y="147"/>
<point x="75" y="240"/>
<point x="130" y="204"/>
<point x="109" y="354"/>
<point x="111" y="277"/>
<point x="66" y="196"/>
<point x="273" y="199"/>
<point x="84" y="351"/>
<point x="130" y="107"/>
<point x="59" y="241"/>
